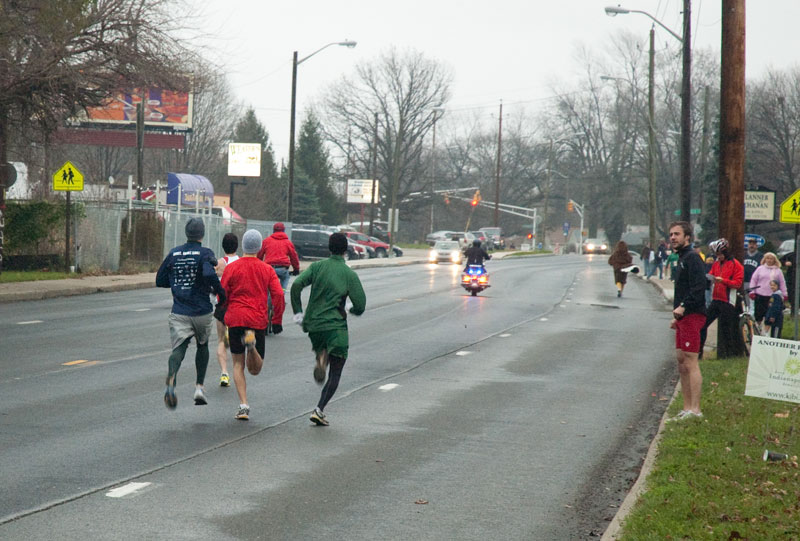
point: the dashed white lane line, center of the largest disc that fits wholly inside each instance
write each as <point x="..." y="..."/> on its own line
<point x="31" y="322"/>
<point x="388" y="386"/>
<point x="505" y="335"/>
<point x="142" y="310"/>
<point x="462" y="353"/>
<point x="563" y="306"/>
<point x="543" y="319"/>
<point x="124" y="490"/>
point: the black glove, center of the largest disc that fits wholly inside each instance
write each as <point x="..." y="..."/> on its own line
<point x="295" y="272"/>
<point x="276" y="328"/>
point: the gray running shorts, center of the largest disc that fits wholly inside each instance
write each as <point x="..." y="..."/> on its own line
<point x="183" y="327"/>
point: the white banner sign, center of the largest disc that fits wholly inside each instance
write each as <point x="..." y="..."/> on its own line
<point x="244" y="159"/>
<point x="759" y="206"/>
<point x="774" y="369"/>
<point x="360" y="190"/>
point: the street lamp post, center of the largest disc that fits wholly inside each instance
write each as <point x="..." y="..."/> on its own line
<point x="686" y="99"/>
<point x="295" y="63"/>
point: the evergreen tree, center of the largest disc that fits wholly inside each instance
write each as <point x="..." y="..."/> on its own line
<point x="306" y="204"/>
<point x="312" y="159"/>
<point x="262" y="198"/>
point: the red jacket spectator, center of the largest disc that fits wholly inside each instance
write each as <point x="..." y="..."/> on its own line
<point x="732" y="274"/>
<point x="277" y="250"/>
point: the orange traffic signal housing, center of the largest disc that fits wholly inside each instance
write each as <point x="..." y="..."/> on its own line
<point x="570" y="207"/>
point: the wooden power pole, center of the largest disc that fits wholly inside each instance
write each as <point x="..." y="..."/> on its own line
<point x="732" y="126"/>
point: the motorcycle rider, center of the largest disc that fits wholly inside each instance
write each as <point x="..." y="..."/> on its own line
<point x="476" y="255"/>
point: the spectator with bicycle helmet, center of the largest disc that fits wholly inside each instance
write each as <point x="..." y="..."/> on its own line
<point x="728" y="275"/>
<point x="760" y="291"/>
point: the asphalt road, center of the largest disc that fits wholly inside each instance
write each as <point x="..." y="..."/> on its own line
<point x="522" y="413"/>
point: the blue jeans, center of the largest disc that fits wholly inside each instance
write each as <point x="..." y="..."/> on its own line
<point x="656" y="265"/>
<point x="283" y="276"/>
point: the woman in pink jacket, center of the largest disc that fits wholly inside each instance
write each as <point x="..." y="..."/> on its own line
<point x="770" y="269"/>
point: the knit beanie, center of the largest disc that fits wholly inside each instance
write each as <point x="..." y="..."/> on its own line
<point x="195" y="229"/>
<point x="251" y="241"/>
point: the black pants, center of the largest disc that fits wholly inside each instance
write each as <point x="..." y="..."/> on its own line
<point x="729" y="340"/>
<point x="335" y="367"/>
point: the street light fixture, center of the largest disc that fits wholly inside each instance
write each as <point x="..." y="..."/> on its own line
<point x="686" y="98"/>
<point x="295" y="62"/>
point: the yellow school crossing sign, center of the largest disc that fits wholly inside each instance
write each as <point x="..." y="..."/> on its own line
<point x="68" y="179"/>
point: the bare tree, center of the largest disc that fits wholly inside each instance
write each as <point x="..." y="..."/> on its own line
<point x="403" y="88"/>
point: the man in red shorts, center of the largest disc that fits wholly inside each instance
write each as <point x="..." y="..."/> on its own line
<point x="689" y="313"/>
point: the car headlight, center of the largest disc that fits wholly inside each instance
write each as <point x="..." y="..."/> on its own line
<point x="603" y="247"/>
<point x="455" y="257"/>
<point x="590" y="246"/>
<point x="432" y="256"/>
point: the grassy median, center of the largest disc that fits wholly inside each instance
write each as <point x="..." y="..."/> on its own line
<point x="709" y="480"/>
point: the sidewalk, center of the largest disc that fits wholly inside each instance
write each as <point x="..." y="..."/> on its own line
<point x="48" y="289"/>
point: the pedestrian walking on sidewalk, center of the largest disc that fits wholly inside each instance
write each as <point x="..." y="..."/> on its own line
<point x="620" y="258"/>
<point x="646" y="259"/>
<point x="689" y="314"/>
<point x="325" y="319"/>
<point x="189" y="271"/>
<point x="249" y="283"/>
<point x="728" y="275"/>
<point x="229" y="245"/>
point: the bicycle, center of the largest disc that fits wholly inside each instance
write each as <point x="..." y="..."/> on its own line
<point x="748" y="326"/>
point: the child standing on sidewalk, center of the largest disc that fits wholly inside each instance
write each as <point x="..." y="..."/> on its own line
<point x="773" y="319"/>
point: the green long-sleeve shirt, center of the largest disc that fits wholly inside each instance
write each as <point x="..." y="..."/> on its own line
<point x="332" y="281"/>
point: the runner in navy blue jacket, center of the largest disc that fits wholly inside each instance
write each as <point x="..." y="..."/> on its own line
<point x="189" y="271"/>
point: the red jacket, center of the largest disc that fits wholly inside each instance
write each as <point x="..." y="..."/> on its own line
<point x="248" y="284"/>
<point x="732" y="273"/>
<point x="279" y="251"/>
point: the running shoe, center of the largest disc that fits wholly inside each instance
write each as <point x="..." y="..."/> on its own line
<point x="619" y="293"/>
<point x="321" y="366"/>
<point x="170" y="399"/>
<point x="243" y="413"/>
<point x="318" y="418"/>
<point x="679" y="417"/>
<point x="224" y="380"/>
<point x="199" y="397"/>
<point x="249" y="339"/>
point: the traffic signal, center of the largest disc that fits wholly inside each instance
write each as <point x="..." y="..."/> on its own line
<point x="570" y="206"/>
<point x="474" y="203"/>
<point x="476" y="198"/>
<point x="530" y="236"/>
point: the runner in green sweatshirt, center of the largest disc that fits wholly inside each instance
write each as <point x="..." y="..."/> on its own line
<point x="325" y="318"/>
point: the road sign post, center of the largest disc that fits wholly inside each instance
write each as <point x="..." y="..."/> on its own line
<point x="68" y="179"/>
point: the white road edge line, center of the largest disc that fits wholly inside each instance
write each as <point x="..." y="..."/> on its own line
<point x="124" y="490"/>
<point x="31" y="322"/>
<point x="388" y="386"/>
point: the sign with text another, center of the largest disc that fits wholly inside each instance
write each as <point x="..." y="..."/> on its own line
<point x="774" y="369"/>
<point x="759" y="206"/>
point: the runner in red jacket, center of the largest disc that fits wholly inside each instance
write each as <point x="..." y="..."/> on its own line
<point x="279" y="252"/>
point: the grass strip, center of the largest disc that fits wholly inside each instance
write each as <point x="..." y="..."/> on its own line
<point x="709" y="480"/>
<point x="29" y="276"/>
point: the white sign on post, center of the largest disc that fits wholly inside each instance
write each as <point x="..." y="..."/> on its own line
<point x="359" y="190"/>
<point x="759" y="205"/>
<point x="774" y="369"/>
<point x="244" y="159"/>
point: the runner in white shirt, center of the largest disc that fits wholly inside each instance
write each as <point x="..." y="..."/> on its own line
<point x="229" y="244"/>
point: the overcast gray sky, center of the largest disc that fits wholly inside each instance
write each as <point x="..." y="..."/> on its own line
<point x="502" y="49"/>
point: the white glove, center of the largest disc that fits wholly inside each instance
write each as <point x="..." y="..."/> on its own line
<point x="348" y="305"/>
<point x="298" y="318"/>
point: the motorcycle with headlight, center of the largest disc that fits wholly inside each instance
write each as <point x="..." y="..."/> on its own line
<point x="475" y="279"/>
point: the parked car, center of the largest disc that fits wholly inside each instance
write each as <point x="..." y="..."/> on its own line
<point x="595" y="246"/>
<point x="438" y="235"/>
<point x="786" y="247"/>
<point x="363" y="252"/>
<point x="312" y="243"/>
<point x="447" y="251"/>
<point x="380" y="229"/>
<point x="486" y="240"/>
<point x="464" y="239"/>
<point x="380" y="248"/>
<point x="496" y="234"/>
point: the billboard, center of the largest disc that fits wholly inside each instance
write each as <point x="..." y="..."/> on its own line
<point x="360" y="190"/>
<point x="163" y="108"/>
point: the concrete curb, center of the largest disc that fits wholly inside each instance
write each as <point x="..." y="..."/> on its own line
<point x="640" y="486"/>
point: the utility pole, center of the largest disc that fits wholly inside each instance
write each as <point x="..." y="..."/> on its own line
<point x="651" y="136"/>
<point x="686" y="115"/>
<point x="497" y="172"/>
<point x="374" y="177"/>
<point x="703" y="150"/>
<point x="732" y="126"/>
<point x="139" y="147"/>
